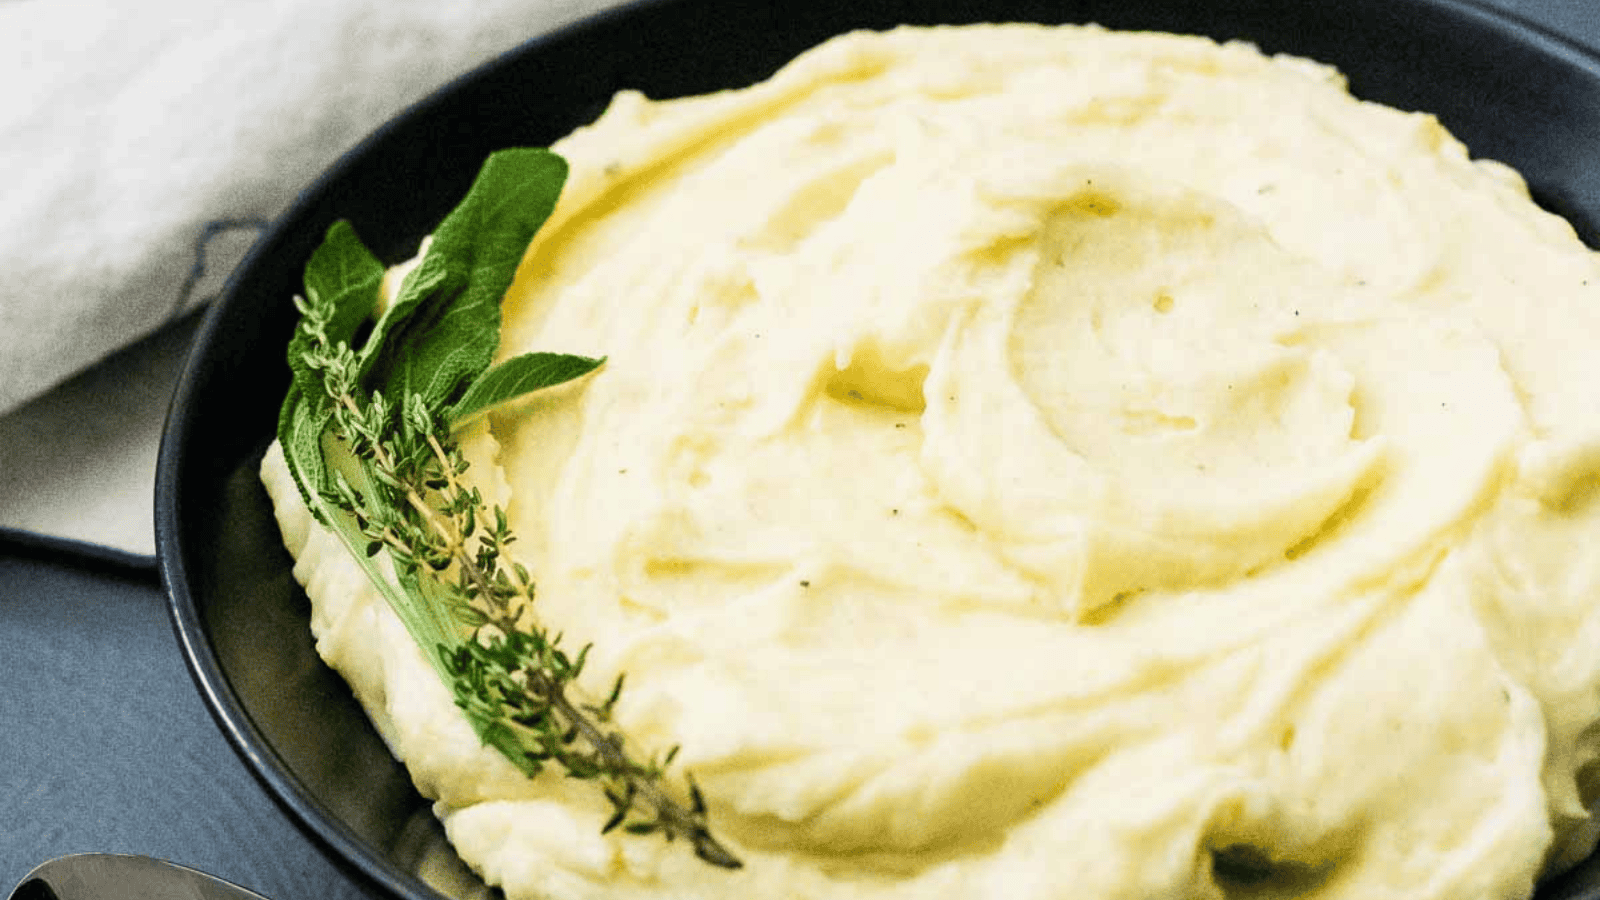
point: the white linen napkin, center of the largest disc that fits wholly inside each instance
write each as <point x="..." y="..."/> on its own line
<point x="142" y="148"/>
<point x="142" y="145"/>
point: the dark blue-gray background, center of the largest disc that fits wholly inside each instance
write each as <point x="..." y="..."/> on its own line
<point x="104" y="741"/>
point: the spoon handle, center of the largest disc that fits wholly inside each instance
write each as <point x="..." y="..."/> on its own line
<point x="113" y="876"/>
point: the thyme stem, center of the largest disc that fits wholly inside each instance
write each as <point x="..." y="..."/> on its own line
<point x="509" y="676"/>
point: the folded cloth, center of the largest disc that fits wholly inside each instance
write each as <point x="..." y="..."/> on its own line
<point x="143" y="145"/>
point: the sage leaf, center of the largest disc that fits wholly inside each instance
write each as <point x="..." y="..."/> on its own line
<point x="300" y="427"/>
<point x="517" y="376"/>
<point x="443" y="328"/>
<point x="343" y="275"/>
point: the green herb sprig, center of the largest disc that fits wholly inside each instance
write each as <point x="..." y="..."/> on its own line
<point x="367" y="433"/>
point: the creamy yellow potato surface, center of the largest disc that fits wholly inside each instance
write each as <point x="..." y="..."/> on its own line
<point x="1043" y="463"/>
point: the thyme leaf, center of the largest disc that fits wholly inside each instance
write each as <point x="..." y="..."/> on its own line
<point x="368" y="433"/>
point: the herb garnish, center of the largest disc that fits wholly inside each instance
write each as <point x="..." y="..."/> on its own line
<point x="367" y="433"/>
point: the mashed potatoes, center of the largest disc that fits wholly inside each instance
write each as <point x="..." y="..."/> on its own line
<point x="1044" y="463"/>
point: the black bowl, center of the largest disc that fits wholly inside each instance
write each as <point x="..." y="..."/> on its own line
<point x="1509" y="90"/>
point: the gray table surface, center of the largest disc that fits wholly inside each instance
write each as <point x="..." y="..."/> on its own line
<point x="105" y="743"/>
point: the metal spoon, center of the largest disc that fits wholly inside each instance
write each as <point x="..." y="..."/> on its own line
<point x="112" y="876"/>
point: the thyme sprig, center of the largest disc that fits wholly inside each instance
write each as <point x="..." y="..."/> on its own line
<point x="369" y="437"/>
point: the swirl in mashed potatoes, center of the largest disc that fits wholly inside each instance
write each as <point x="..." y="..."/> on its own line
<point x="1043" y="462"/>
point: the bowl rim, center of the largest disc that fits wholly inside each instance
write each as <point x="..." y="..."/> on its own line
<point x="339" y="841"/>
